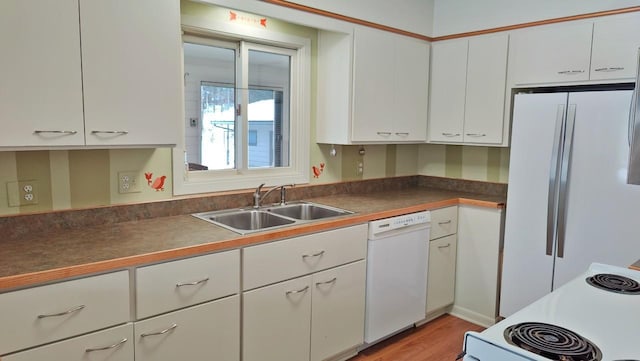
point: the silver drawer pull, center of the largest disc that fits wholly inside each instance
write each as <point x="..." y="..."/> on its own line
<point x="192" y="283"/>
<point x="476" y="135"/>
<point x="451" y="134"/>
<point x="170" y="328"/>
<point x="55" y="131"/>
<point x="63" y="313"/>
<point x="445" y="222"/>
<point x="383" y="133"/>
<point x="333" y="280"/>
<point x="447" y="246"/>
<point x="313" y="255"/>
<point x="106" y="347"/>
<point x="615" y="68"/>
<point x="570" y="72"/>
<point x="402" y="134"/>
<point x="297" y="291"/>
<point x="109" y="132"/>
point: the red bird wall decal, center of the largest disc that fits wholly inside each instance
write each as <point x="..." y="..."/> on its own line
<point x="317" y="170"/>
<point x="157" y="184"/>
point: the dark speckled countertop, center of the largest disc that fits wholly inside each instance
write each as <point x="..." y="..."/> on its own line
<point x="62" y="253"/>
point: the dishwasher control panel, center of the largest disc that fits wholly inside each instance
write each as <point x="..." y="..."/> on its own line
<point x="393" y="223"/>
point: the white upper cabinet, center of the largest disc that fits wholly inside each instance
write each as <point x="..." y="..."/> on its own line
<point x="131" y="60"/>
<point x="40" y="74"/>
<point x="447" y="96"/>
<point x="602" y="49"/>
<point x="552" y="53"/>
<point x="615" y="47"/>
<point x="373" y="87"/>
<point x="90" y="73"/>
<point x="468" y="80"/>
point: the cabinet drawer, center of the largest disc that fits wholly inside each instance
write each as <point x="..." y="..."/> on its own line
<point x="114" y="344"/>
<point x="177" y="284"/>
<point x="444" y="221"/>
<point x="281" y="260"/>
<point x="43" y="314"/>
<point x="210" y="331"/>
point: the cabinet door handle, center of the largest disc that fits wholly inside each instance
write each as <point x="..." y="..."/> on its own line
<point x="192" y="283"/>
<point x="610" y="69"/>
<point x="63" y="313"/>
<point x="318" y="254"/>
<point x="402" y="134"/>
<point x="109" y="132"/>
<point x="444" y="222"/>
<point x="333" y="280"/>
<point x="384" y="134"/>
<point x="170" y="328"/>
<point x="477" y="135"/>
<point x="302" y="290"/>
<point x="570" y="72"/>
<point x="447" y="246"/>
<point x="70" y="132"/>
<point x="106" y="347"/>
<point x="451" y="134"/>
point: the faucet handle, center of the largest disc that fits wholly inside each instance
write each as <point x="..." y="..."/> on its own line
<point x="259" y="189"/>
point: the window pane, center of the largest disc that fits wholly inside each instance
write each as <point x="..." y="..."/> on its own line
<point x="268" y="110"/>
<point x="210" y="103"/>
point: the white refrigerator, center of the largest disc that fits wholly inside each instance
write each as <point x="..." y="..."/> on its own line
<point x="568" y="201"/>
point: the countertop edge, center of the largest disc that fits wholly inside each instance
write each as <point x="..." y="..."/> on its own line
<point x="53" y="275"/>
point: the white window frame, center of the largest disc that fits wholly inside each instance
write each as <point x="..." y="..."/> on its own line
<point x="193" y="182"/>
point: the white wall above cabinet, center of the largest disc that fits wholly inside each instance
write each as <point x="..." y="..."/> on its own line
<point x="468" y="80"/>
<point x="373" y="88"/>
<point x="89" y="73"/>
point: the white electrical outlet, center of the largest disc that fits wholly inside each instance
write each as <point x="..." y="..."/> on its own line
<point x="22" y="193"/>
<point x="129" y="182"/>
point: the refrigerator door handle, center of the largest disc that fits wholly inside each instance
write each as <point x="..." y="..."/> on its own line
<point x="554" y="170"/>
<point x="564" y="179"/>
<point x="633" y="172"/>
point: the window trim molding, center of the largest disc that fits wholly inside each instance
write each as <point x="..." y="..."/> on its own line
<point x="186" y="182"/>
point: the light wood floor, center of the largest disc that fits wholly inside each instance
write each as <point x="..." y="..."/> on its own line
<point x="438" y="340"/>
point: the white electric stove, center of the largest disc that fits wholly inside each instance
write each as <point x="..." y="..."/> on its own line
<point x="594" y="317"/>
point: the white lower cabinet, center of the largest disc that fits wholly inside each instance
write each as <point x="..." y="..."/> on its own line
<point x="477" y="266"/>
<point x="337" y="310"/>
<point x="442" y="273"/>
<point x="209" y="331"/>
<point x="313" y="317"/>
<point x="114" y="344"/>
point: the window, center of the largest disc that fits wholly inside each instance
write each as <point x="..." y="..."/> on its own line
<point x="250" y="105"/>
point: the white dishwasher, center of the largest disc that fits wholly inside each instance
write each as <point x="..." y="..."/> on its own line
<point x="396" y="296"/>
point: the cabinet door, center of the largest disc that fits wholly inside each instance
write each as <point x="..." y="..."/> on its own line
<point x="114" y="344"/>
<point x="447" y="93"/>
<point x="485" y="94"/>
<point x="40" y="76"/>
<point x="442" y="273"/>
<point x="444" y="221"/>
<point x="553" y="53"/>
<point x="276" y="322"/>
<point x="373" y="85"/>
<point x="478" y="258"/>
<point x="337" y="315"/>
<point x="390" y="87"/>
<point x="411" y="87"/>
<point x="615" y="47"/>
<point x="131" y="61"/>
<point x="210" y="331"/>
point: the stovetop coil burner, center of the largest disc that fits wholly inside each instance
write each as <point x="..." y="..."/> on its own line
<point x="614" y="283"/>
<point x="552" y="342"/>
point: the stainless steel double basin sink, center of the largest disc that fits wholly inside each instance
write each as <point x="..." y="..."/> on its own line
<point x="248" y="220"/>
